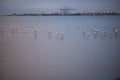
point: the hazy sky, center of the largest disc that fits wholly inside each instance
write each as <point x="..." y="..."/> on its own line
<point x="36" y="6"/>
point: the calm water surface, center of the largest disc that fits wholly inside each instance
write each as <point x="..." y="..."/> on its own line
<point x="31" y="49"/>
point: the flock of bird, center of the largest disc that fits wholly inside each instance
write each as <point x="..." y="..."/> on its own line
<point x="95" y="32"/>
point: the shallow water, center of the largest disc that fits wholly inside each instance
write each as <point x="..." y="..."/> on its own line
<point x="31" y="50"/>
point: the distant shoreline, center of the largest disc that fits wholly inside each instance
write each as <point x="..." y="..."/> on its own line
<point x="62" y="15"/>
<point x="70" y="14"/>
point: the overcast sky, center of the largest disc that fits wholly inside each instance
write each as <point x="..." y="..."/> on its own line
<point x="37" y="6"/>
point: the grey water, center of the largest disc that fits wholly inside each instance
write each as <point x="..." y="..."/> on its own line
<point x="31" y="49"/>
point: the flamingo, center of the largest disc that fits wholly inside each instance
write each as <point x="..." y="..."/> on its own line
<point x="57" y="34"/>
<point x="49" y="34"/>
<point x="85" y="34"/>
<point x="35" y="34"/>
<point x="116" y="31"/>
<point x="61" y="35"/>
<point x="95" y="32"/>
<point x="12" y="30"/>
<point x="88" y="35"/>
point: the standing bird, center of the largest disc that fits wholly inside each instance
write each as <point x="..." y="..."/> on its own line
<point x="13" y="31"/>
<point x="35" y="34"/>
<point x="88" y="35"/>
<point x="16" y="30"/>
<point x="110" y="35"/>
<point x="103" y="34"/>
<point x="62" y="35"/>
<point x="116" y="32"/>
<point x="49" y="34"/>
<point x="57" y="35"/>
<point x="85" y="34"/>
<point x="2" y="32"/>
<point x="95" y="32"/>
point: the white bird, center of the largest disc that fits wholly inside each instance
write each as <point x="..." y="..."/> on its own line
<point x="57" y="34"/>
<point x="88" y="35"/>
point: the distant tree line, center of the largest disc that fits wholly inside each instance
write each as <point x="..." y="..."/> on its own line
<point x="69" y="14"/>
